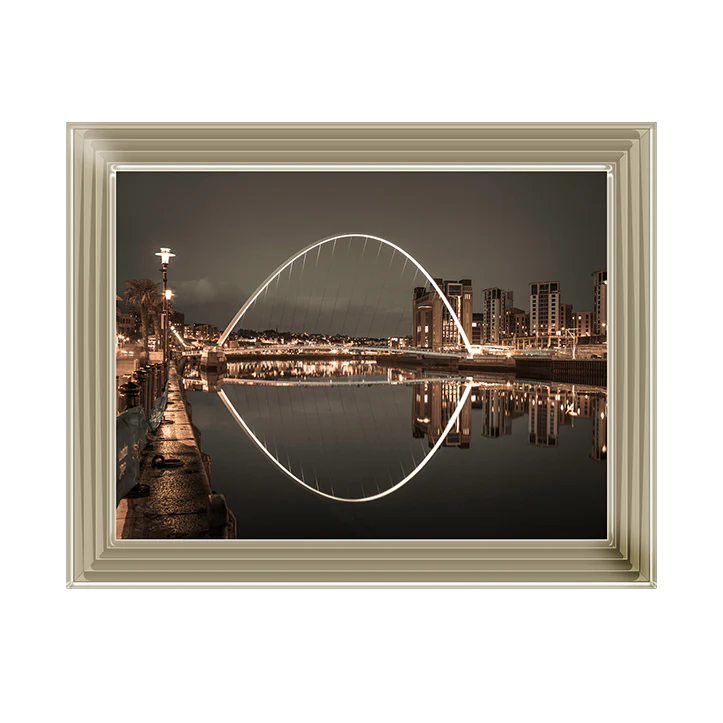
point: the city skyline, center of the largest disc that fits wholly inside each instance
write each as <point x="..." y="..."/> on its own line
<point x="500" y="322"/>
<point x="505" y="229"/>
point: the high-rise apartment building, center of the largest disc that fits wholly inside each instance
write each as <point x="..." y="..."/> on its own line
<point x="433" y="326"/>
<point x="494" y="304"/>
<point x="600" y="303"/>
<point x="545" y="314"/>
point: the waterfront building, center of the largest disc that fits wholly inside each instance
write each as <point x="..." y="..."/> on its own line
<point x="583" y="324"/>
<point x="567" y="318"/>
<point x="545" y="315"/>
<point x="398" y="342"/>
<point x="202" y="332"/>
<point x="433" y="326"/>
<point x="495" y="302"/>
<point x="476" y="328"/>
<point x="600" y="304"/>
<point x="517" y="323"/>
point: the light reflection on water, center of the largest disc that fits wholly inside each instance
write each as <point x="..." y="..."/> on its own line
<point x="355" y="431"/>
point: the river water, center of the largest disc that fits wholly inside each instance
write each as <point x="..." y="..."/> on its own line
<point x="330" y="449"/>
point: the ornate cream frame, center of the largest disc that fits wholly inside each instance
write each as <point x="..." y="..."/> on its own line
<point x="96" y="151"/>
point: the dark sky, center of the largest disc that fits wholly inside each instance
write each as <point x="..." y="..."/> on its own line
<point x="231" y="230"/>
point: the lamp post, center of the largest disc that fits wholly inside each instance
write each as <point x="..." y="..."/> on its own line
<point x="169" y="295"/>
<point x="166" y="256"/>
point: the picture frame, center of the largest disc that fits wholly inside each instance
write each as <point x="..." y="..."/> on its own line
<point x="96" y="152"/>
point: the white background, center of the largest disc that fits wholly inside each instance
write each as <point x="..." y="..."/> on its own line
<point x="348" y="655"/>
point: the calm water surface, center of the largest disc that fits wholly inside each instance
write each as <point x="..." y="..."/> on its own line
<point x="349" y="449"/>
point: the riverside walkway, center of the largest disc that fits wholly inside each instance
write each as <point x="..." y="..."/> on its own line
<point x="181" y="503"/>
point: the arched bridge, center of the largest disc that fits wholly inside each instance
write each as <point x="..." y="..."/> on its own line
<point x="335" y="304"/>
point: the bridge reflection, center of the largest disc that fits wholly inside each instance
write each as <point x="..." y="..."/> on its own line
<point x="306" y="415"/>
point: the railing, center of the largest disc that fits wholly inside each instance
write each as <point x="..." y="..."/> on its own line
<point x="336" y="348"/>
<point x="141" y="388"/>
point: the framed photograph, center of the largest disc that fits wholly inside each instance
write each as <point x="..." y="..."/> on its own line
<point x="361" y="355"/>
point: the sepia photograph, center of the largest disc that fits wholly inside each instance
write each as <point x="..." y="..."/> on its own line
<point x="361" y="355"/>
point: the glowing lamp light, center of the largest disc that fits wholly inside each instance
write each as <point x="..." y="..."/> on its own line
<point x="169" y="294"/>
<point x="165" y="255"/>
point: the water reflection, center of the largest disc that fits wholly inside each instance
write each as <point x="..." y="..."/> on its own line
<point x="338" y="427"/>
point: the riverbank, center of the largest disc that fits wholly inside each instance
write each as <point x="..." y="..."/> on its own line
<point x="571" y="371"/>
<point x="180" y="502"/>
<point x="488" y="364"/>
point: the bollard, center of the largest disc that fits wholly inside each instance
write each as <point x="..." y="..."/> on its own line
<point x="130" y="394"/>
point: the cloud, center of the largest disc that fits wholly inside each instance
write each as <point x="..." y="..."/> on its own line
<point x="205" y="291"/>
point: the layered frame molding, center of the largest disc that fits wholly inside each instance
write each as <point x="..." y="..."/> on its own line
<point x="97" y="151"/>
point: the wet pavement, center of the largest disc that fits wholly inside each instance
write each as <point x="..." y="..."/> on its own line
<point x="180" y="503"/>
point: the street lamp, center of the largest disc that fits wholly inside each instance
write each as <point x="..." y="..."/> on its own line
<point x="166" y="256"/>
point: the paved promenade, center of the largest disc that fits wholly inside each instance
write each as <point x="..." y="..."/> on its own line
<point x="180" y="504"/>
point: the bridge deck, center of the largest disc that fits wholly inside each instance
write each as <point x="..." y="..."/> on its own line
<point x="270" y="350"/>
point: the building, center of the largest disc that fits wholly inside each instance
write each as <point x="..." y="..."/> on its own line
<point x="583" y="323"/>
<point x="600" y="303"/>
<point x="433" y="326"/>
<point x="517" y="323"/>
<point x="125" y="323"/>
<point x="545" y="314"/>
<point x="202" y="332"/>
<point x="476" y="328"/>
<point x="567" y="318"/>
<point x="495" y="302"/>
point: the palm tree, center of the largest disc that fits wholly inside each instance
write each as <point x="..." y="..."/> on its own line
<point x="143" y="294"/>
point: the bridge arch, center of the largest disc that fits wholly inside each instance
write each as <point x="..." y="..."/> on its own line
<point x="448" y="428"/>
<point x="331" y="239"/>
